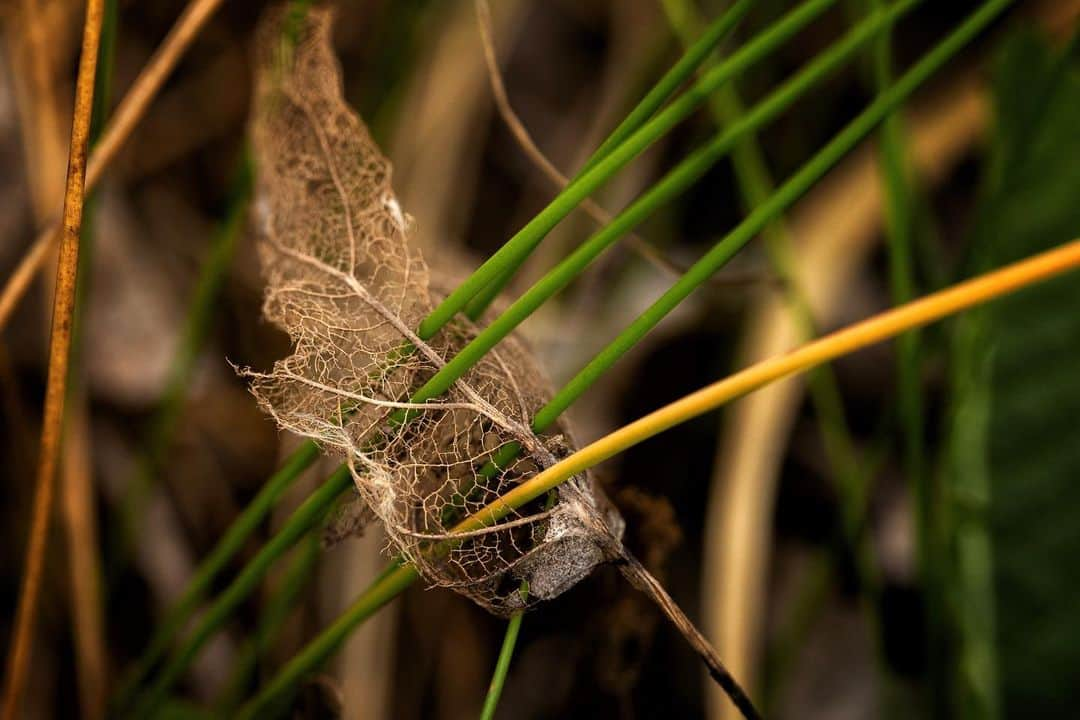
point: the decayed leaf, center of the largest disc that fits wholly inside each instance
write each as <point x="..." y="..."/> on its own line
<point x="343" y="281"/>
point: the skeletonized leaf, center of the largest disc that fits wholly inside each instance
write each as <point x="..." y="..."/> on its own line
<point x="345" y="284"/>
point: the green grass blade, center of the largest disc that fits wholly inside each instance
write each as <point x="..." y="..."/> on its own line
<point x="398" y="577"/>
<point x="273" y="617"/>
<point x="517" y="248"/>
<point x="787" y="194"/>
<point x="391" y="583"/>
<point x="899" y="229"/>
<point x="502" y="666"/>
<point x="695" y="54"/>
<point x="755" y="185"/>
<point x="199" y="585"/>
<point x="302" y="520"/>
<point x="675" y="182"/>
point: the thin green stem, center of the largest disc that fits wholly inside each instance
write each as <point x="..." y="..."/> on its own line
<point x="391" y="583"/>
<point x="680" y="72"/>
<point x="899" y="231"/>
<point x="672" y="184"/>
<point x="756" y="184"/>
<point x="229" y="545"/>
<point x="199" y="318"/>
<point x="272" y="619"/>
<point x="303" y="519"/>
<point x="517" y="248"/>
<point x="696" y="53"/>
<point x="502" y="666"/>
<point x="398" y="577"/>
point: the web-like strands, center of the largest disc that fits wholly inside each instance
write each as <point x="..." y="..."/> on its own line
<point x="344" y="283"/>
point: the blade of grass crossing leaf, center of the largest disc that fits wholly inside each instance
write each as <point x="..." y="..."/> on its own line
<point x="695" y="54"/>
<point x="791" y="191"/>
<point x="676" y="181"/>
<point x="398" y="577"/>
<point x="517" y="248"/>
<point x="445" y="377"/>
<point x="306" y="453"/>
<point x="56" y="384"/>
<point x="502" y="665"/>
<point x="932" y="308"/>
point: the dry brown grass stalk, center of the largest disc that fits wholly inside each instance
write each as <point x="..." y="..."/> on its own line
<point x="121" y="124"/>
<point x="39" y="44"/>
<point x="77" y="500"/>
<point x="59" y="347"/>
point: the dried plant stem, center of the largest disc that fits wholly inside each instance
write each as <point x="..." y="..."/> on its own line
<point x="843" y="342"/>
<point x="128" y="114"/>
<point x="80" y="512"/>
<point x="59" y="346"/>
<point x="643" y="580"/>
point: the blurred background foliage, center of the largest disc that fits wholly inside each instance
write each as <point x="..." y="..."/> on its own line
<point x="1018" y="394"/>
